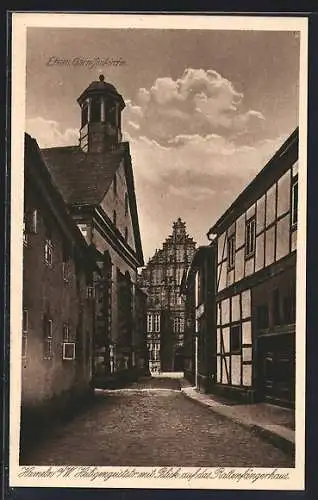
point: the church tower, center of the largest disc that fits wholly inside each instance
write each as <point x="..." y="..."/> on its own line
<point x="101" y="107"/>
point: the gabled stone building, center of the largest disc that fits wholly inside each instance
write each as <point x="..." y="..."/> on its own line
<point x="96" y="181"/>
<point x="161" y="278"/>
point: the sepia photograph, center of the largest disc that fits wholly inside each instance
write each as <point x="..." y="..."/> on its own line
<point x="158" y="236"/>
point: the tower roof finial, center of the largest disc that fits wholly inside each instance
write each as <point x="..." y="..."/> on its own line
<point x="101" y="78"/>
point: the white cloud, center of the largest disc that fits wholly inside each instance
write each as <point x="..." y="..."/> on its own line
<point x="49" y="133"/>
<point x="212" y="157"/>
<point x="199" y="102"/>
<point x="193" y="192"/>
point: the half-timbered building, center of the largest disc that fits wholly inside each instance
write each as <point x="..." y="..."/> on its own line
<point x="255" y="284"/>
<point x="198" y="290"/>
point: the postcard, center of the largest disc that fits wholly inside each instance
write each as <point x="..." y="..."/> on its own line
<point x="158" y="251"/>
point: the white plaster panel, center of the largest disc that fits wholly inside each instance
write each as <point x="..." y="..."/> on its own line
<point x="247" y="375"/>
<point x="270" y="246"/>
<point x="282" y="238"/>
<point x="259" y="253"/>
<point x="246" y="303"/>
<point x="239" y="265"/>
<point x="236" y="308"/>
<point x="283" y="194"/>
<point x="246" y="332"/>
<point x="236" y="370"/>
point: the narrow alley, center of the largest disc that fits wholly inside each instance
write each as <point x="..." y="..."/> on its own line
<point x="151" y="423"/>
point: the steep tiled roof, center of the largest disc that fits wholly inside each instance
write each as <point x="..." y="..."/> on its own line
<point x="35" y="169"/>
<point x="82" y="177"/>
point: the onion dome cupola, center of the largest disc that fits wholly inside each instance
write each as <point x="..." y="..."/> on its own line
<point x="101" y="107"/>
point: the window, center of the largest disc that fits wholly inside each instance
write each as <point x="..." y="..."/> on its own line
<point x="114" y="217"/>
<point x="90" y="292"/>
<point x="295" y="202"/>
<point x="235" y="338"/>
<point x="48" y="246"/>
<point x="276" y="307"/>
<point x="68" y="351"/>
<point x="231" y="252"/>
<point x="66" y="333"/>
<point x="95" y="110"/>
<point x="149" y="323"/>
<point x="84" y="114"/>
<point x="34" y="221"/>
<point x="66" y="264"/>
<point x="48" y="252"/>
<point x="115" y="185"/>
<point x="156" y="323"/>
<point x="178" y="325"/>
<point x="65" y="271"/>
<point x="126" y="203"/>
<point x="262" y="319"/>
<point x="111" y="115"/>
<point x="30" y="224"/>
<point x="197" y="288"/>
<point x="250" y="237"/>
<point x="179" y="274"/>
<point x="180" y="254"/>
<point x="48" y="337"/>
<point x="126" y="234"/>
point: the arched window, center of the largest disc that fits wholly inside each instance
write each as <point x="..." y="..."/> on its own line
<point x="114" y="217"/>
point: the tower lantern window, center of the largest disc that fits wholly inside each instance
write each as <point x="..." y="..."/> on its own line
<point x="111" y="114"/>
<point x="84" y="114"/>
<point x="96" y="110"/>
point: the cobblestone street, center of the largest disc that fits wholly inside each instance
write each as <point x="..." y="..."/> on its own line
<point x="153" y="423"/>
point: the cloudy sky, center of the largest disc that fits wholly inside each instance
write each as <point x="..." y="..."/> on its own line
<point x="204" y="110"/>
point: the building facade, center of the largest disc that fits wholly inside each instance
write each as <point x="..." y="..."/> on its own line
<point x="256" y="284"/>
<point x="198" y="290"/>
<point x="161" y="278"/>
<point x="57" y="319"/>
<point x="96" y="181"/>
